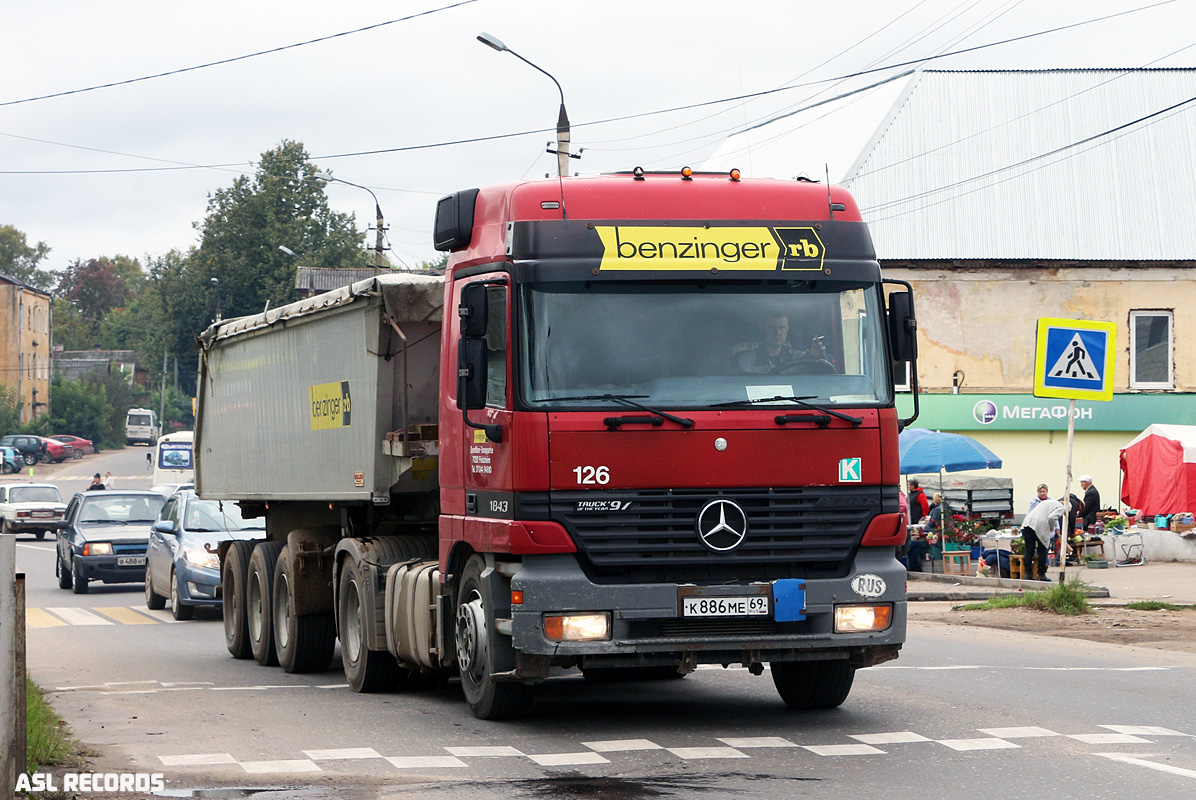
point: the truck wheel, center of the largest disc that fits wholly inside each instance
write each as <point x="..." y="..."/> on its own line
<point x="153" y="600"/>
<point x="233" y="578"/>
<point x="305" y="643"/>
<point x="177" y="609"/>
<point x="259" y="585"/>
<point x="808" y="685"/>
<point x="366" y="670"/>
<point x="474" y="634"/>
<point x="64" y="574"/>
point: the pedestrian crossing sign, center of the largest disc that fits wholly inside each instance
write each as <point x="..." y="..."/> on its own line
<point x="1074" y="359"/>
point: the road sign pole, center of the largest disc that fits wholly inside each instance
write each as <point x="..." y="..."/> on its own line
<point x="1065" y="533"/>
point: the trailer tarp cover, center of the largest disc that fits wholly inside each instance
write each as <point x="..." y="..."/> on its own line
<point x="1158" y="470"/>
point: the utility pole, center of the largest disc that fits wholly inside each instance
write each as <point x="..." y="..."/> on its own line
<point x="162" y="404"/>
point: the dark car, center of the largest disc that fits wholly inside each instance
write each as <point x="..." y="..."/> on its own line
<point x="181" y="563"/>
<point x="30" y="447"/>
<point x="81" y="447"/>
<point x="103" y="537"/>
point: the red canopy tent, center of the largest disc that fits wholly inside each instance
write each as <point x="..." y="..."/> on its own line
<point x="1158" y="470"/>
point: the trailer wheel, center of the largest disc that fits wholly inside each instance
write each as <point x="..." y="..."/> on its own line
<point x="259" y="586"/>
<point x="809" y="685"/>
<point x="366" y="670"/>
<point x="474" y="633"/>
<point x="236" y="623"/>
<point x="305" y="643"/>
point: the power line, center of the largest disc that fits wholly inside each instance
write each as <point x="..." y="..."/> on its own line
<point x="235" y="58"/>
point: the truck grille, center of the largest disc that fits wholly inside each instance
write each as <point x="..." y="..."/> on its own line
<point x="650" y="535"/>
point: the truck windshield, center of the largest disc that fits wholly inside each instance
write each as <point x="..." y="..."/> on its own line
<point x="688" y="345"/>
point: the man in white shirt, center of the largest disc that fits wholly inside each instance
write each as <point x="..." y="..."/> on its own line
<point x="1037" y="528"/>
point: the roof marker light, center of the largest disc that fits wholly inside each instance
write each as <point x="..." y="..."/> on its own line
<point x="687" y="174"/>
<point x="638" y="173"/>
<point x="734" y="174"/>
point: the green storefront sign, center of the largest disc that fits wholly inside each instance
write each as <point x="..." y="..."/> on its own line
<point x="1024" y="412"/>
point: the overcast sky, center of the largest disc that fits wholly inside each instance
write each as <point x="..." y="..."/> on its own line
<point x="84" y="172"/>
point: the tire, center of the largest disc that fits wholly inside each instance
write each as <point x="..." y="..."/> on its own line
<point x="177" y="609"/>
<point x="810" y="685"/>
<point x="474" y="636"/>
<point x="305" y="643"/>
<point x="30" y="459"/>
<point x="153" y="600"/>
<point x="64" y="574"/>
<point x="78" y="582"/>
<point x="78" y="454"/>
<point x="44" y="458"/>
<point x="39" y="535"/>
<point x="366" y="670"/>
<point x="234" y="575"/>
<point x="259" y="602"/>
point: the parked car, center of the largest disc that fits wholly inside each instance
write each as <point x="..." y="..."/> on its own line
<point x="179" y="564"/>
<point x="35" y="508"/>
<point x="80" y="446"/>
<point x="103" y="538"/>
<point x="30" y="447"/>
<point x="10" y="460"/>
<point x="55" y="450"/>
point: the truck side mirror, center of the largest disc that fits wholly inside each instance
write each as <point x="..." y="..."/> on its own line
<point x="471" y="372"/>
<point x="903" y="328"/>
<point x="473" y="310"/>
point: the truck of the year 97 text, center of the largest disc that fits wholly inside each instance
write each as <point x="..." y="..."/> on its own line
<point x="643" y="422"/>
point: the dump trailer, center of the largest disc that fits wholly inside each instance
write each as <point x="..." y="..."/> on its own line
<point x="643" y="422"/>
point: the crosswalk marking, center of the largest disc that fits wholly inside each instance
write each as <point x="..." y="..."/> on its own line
<point x="79" y="616"/>
<point x="128" y="616"/>
<point x="40" y="618"/>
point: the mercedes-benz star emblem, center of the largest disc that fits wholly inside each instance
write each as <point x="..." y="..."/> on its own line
<point x="722" y="525"/>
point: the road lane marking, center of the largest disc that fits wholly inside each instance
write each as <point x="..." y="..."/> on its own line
<point x="425" y="762"/>
<point x="1017" y="733"/>
<point x="756" y="741"/>
<point x="978" y="744"/>
<point x="1143" y="730"/>
<point x="47" y="548"/>
<point x="40" y="618"/>
<point x="1108" y="738"/>
<point x="197" y="760"/>
<point x="1141" y="762"/>
<point x="284" y="767"/>
<point x="622" y="745"/>
<point x="568" y="759"/>
<point x="896" y="737"/>
<point x="79" y="616"/>
<point x="126" y="615"/>
<point x="690" y="753"/>
<point x="484" y="752"/>
<point x="350" y="752"/>
<point x="844" y="750"/>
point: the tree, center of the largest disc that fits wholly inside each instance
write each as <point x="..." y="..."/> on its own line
<point x="81" y="408"/>
<point x="19" y="259"/>
<point x="10" y="411"/>
<point x="283" y="204"/>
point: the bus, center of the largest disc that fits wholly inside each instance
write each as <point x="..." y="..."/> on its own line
<point x="141" y="426"/>
<point x="175" y="462"/>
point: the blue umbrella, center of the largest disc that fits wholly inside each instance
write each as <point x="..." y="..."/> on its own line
<point x="923" y="450"/>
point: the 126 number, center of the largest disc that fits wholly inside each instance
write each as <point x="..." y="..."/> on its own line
<point x="592" y="475"/>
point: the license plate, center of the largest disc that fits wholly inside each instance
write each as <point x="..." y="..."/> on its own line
<point x="130" y="561"/>
<point x="43" y="514"/>
<point x="755" y="605"/>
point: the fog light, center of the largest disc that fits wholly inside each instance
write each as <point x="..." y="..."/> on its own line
<point x="856" y="619"/>
<point x="577" y="627"/>
<point x="97" y="549"/>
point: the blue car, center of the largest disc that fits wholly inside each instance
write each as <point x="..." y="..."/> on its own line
<point x="102" y="537"/>
<point x="181" y="561"/>
<point x="11" y="460"/>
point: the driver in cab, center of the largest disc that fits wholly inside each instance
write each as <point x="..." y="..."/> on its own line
<point x="774" y="353"/>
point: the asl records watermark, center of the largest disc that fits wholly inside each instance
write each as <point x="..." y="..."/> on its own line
<point x="90" y="782"/>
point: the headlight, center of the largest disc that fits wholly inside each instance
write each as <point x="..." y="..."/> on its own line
<point x="577" y="627"/>
<point x="202" y="558"/>
<point x="859" y="619"/>
<point x="97" y="549"/>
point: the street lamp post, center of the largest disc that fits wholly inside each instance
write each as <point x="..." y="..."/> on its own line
<point x="562" y="121"/>
<point x="379" y="224"/>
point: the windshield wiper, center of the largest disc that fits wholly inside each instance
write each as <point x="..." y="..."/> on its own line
<point x="800" y="401"/>
<point x="627" y="400"/>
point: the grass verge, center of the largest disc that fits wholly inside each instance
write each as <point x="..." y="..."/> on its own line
<point x="1070" y="599"/>
<point x="48" y="739"/>
<point x="1156" y="605"/>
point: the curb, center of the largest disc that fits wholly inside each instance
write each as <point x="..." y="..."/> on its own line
<point x="966" y="587"/>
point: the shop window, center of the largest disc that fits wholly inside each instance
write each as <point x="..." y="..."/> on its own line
<point x="1152" y="349"/>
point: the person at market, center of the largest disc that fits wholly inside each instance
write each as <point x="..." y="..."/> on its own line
<point x="1091" y="502"/>
<point x="97" y="484"/>
<point x="1043" y="493"/>
<point x="1037" y="529"/>
<point x="109" y="481"/>
<point x="933" y="518"/>
<point x="1075" y="506"/>
<point x="919" y="506"/>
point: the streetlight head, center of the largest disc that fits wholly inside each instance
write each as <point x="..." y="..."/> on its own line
<point x="323" y="176"/>
<point x="215" y="281"/>
<point x="286" y="250"/>
<point x="492" y="41"/>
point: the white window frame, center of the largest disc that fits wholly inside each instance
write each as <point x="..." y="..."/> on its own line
<point x="903" y="383"/>
<point x="1170" y="382"/>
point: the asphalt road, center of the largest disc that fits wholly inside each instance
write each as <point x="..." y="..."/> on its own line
<point x="964" y="712"/>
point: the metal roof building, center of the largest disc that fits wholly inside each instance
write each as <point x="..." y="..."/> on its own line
<point x="1069" y="165"/>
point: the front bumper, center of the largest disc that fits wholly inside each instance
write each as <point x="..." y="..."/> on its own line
<point x="198" y="586"/>
<point x="106" y="570"/>
<point x="647" y="627"/>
